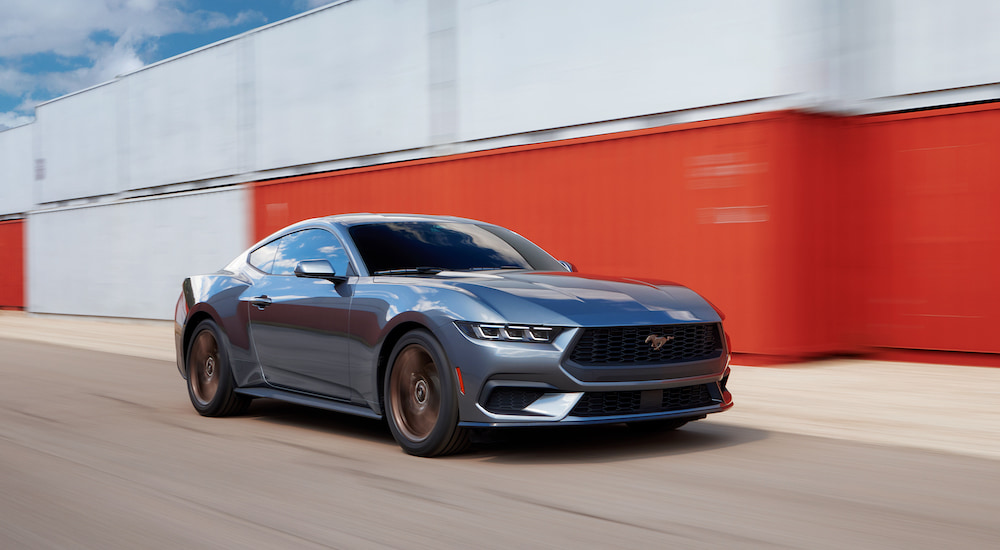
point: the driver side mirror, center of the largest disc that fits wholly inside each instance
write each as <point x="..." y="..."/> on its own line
<point x="318" y="269"/>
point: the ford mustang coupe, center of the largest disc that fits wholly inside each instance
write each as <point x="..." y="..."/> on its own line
<point x="441" y="326"/>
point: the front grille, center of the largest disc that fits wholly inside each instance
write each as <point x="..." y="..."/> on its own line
<point x="607" y="403"/>
<point x="511" y="400"/>
<point x="628" y="346"/>
<point x="687" y="397"/>
<point x="611" y="403"/>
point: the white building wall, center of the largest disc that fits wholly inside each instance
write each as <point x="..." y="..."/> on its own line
<point x="937" y="45"/>
<point x="525" y="65"/>
<point x="183" y="119"/>
<point x="912" y="54"/>
<point x="129" y="259"/>
<point x="77" y="141"/>
<point x="16" y="170"/>
<point x="343" y="82"/>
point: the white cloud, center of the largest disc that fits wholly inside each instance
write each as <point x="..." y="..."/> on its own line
<point x="145" y="5"/>
<point x="66" y="27"/>
<point x="248" y="16"/>
<point x="310" y="4"/>
<point x="14" y="82"/>
<point x="75" y="29"/>
<point x="11" y="120"/>
<point x="108" y="62"/>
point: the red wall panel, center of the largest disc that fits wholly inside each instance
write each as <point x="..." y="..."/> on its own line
<point x="742" y="210"/>
<point x="934" y="253"/>
<point x="12" y="268"/>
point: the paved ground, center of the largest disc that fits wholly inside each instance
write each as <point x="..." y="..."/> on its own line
<point x="150" y="339"/>
<point x="102" y="450"/>
<point x="937" y="407"/>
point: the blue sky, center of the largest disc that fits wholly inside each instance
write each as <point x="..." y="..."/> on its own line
<point x="49" y="48"/>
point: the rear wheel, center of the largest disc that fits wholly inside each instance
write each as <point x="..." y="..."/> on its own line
<point x="421" y="399"/>
<point x="209" y="378"/>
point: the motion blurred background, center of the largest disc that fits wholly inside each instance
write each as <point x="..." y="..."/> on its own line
<point x="826" y="172"/>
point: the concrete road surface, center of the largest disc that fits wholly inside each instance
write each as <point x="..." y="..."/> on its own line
<point x="102" y="450"/>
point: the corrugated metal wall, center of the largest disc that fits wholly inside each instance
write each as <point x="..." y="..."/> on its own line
<point x="129" y="259"/>
<point x="12" y="264"/>
<point x="933" y="179"/>
<point x="743" y="210"/>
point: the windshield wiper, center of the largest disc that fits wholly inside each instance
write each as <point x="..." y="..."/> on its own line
<point x="491" y="268"/>
<point x="411" y="271"/>
<point x="423" y="270"/>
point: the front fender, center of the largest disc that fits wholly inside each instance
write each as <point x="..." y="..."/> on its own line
<point x="382" y="311"/>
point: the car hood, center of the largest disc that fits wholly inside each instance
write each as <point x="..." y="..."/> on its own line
<point x="574" y="299"/>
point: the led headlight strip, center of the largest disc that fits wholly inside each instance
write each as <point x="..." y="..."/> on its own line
<point x="508" y="333"/>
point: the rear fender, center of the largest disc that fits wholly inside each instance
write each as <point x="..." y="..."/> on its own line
<point x="214" y="297"/>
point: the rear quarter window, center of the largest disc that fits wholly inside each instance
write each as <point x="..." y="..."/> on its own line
<point x="263" y="257"/>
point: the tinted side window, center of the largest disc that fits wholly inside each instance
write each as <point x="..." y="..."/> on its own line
<point x="263" y="257"/>
<point x="311" y="244"/>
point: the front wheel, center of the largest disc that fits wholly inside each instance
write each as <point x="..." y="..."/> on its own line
<point x="421" y="399"/>
<point x="209" y="378"/>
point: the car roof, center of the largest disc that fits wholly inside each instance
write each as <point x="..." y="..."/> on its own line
<point x="348" y="220"/>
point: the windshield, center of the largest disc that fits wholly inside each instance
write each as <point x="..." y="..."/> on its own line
<point x="429" y="247"/>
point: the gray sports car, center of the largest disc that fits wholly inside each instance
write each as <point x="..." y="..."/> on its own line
<point x="442" y="326"/>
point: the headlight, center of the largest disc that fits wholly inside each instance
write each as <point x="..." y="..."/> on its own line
<point x="508" y="333"/>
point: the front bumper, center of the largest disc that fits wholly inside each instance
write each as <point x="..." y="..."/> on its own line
<point x="547" y="393"/>
<point x="513" y="421"/>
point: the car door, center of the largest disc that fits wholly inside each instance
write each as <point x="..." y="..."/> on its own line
<point x="299" y="326"/>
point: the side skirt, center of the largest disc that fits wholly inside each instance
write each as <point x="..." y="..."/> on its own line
<point x="310" y="401"/>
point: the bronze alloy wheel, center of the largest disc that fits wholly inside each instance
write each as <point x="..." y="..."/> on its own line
<point x="209" y="379"/>
<point x="204" y="365"/>
<point x="415" y="392"/>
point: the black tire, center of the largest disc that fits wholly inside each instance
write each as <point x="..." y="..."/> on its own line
<point x="209" y="376"/>
<point x="421" y="398"/>
<point x="656" y="426"/>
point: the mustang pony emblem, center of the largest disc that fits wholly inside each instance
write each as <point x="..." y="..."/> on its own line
<point x="657" y="342"/>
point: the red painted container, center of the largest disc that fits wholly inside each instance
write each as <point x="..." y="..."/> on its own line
<point x="12" y="273"/>
<point x="933" y="180"/>
<point x="743" y="210"/>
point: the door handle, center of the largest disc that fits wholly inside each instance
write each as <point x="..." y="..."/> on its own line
<point x="260" y="301"/>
